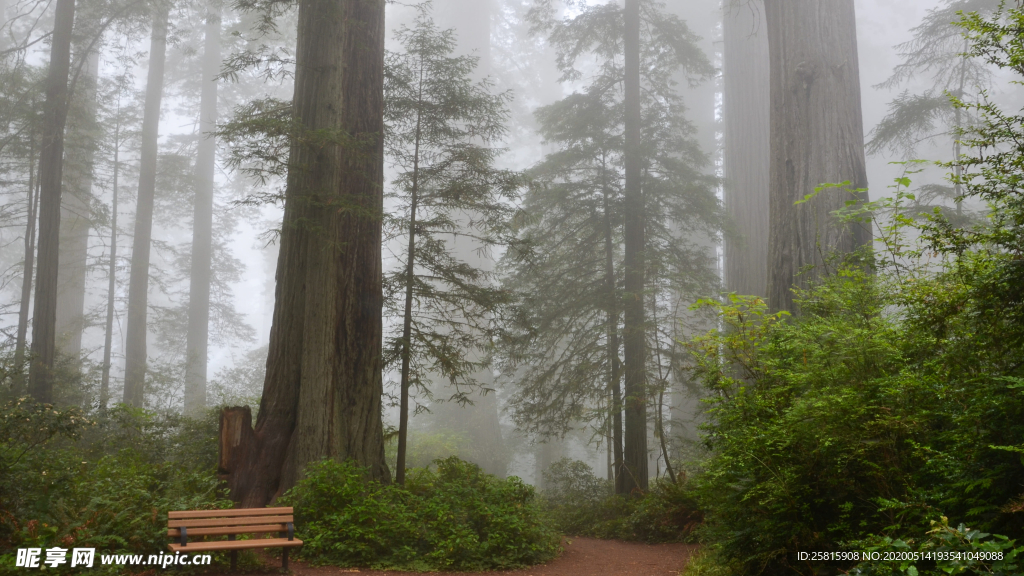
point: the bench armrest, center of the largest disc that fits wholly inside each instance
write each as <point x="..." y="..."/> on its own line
<point x="184" y="536"/>
<point x="291" y="531"/>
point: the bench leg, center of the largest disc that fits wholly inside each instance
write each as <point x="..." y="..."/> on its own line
<point x="234" y="555"/>
<point x="284" y="559"/>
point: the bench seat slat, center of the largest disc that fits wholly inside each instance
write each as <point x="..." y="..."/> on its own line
<point x="223" y="531"/>
<point x="236" y="545"/>
<point x="212" y="522"/>
<point x="232" y="513"/>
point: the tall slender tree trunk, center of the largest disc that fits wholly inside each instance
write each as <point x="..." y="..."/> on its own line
<point x="635" y="441"/>
<point x="138" y="282"/>
<point x="958" y="121"/>
<point x="75" y="210"/>
<point x="663" y="384"/>
<point x="32" y="207"/>
<point x="614" y="369"/>
<point x="108" y="331"/>
<point x="614" y="366"/>
<point x="51" y="166"/>
<point x="198" y="337"/>
<point x="609" y="465"/>
<point x="322" y="394"/>
<point x="548" y="452"/>
<point x="746" y="112"/>
<point x="817" y="137"/>
<point x="410" y="271"/>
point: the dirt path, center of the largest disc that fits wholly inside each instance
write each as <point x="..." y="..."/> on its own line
<point x="581" y="557"/>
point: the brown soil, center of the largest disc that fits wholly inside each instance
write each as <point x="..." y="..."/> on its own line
<point x="580" y="557"/>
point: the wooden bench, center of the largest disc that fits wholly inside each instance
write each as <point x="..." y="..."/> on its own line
<point x="184" y="525"/>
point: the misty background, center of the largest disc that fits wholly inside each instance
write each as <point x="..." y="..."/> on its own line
<point x="245" y="223"/>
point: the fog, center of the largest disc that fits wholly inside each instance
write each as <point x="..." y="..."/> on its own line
<point x="501" y="422"/>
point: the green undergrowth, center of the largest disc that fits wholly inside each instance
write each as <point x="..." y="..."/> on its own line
<point x="885" y="419"/>
<point x="453" y="518"/>
<point x="581" y="504"/>
<point x="71" y="481"/>
<point x="944" y="549"/>
<point x="883" y="407"/>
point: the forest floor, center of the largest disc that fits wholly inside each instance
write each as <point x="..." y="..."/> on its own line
<point x="580" y="557"/>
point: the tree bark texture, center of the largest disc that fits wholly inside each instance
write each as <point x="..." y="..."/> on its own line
<point x="817" y="137"/>
<point x="198" y="336"/>
<point x="51" y="165"/>
<point x="322" y="393"/>
<point x="138" y="281"/>
<point x="746" y="124"/>
<point x="236" y="437"/>
<point x="75" y="210"/>
<point x="634" y="475"/>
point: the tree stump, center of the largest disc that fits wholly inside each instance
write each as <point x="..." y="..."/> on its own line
<point x="236" y="440"/>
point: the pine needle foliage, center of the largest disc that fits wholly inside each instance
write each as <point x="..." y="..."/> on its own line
<point x="565" y="357"/>
<point x="937" y="51"/>
<point x="450" y="206"/>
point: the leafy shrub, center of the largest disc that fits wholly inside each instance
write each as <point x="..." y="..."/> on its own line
<point x="122" y="503"/>
<point x="456" y="518"/>
<point x="957" y="550"/>
<point x="29" y="469"/>
<point x="848" y="422"/>
<point x="579" y="502"/>
<point x="804" y="439"/>
<point x="582" y="504"/>
<point x="668" y="512"/>
<point x="104" y="483"/>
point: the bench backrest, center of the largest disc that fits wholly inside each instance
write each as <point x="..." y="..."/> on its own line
<point x="235" y="521"/>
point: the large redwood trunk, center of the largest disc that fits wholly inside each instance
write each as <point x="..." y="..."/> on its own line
<point x="198" y="337"/>
<point x="75" y="210"/>
<point x="51" y="166"/>
<point x="745" y="102"/>
<point x="634" y="475"/>
<point x="322" y="393"/>
<point x="138" y="280"/>
<point x="817" y="137"/>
